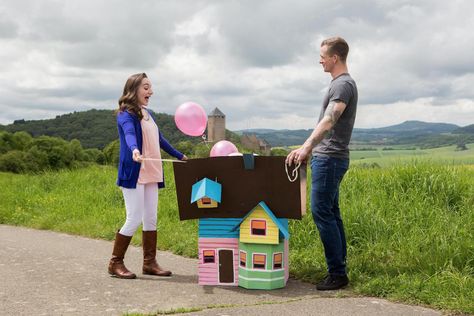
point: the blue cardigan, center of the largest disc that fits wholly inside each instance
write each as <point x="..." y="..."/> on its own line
<point x="130" y="135"/>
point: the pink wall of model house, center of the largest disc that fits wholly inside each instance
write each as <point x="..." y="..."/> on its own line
<point x="209" y="272"/>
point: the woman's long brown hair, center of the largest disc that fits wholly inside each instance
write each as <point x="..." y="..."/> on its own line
<point x="129" y="99"/>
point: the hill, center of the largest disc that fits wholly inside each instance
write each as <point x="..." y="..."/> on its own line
<point x="277" y="138"/>
<point x="416" y="133"/>
<point x="417" y="127"/>
<point x="469" y="129"/>
<point x="407" y="133"/>
<point x="97" y="128"/>
<point x="94" y="128"/>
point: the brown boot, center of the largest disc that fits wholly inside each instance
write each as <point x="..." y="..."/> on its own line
<point x="150" y="266"/>
<point x="116" y="266"/>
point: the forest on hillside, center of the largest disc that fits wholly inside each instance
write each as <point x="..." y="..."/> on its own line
<point x="93" y="128"/>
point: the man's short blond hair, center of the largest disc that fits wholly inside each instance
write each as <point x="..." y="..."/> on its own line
<point x="337" y="46"/>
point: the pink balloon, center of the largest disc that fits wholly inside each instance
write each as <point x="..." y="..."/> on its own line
<point x="223" y="148"/>
<point x="191" y="119"/>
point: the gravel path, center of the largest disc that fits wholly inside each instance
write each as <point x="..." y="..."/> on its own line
<point x="48" y="273"/>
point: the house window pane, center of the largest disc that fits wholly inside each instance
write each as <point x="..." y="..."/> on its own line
<point x="258" y="227"/>
<point x="209" y="256"/>
<point x="277" y="260"/>
<point x="243" y="259"/>
<point x="259" y="261"/>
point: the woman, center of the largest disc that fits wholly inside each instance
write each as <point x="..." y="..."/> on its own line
<point x="140" y="174"/>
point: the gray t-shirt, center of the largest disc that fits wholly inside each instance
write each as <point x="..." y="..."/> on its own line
<point x="336" y="144"/>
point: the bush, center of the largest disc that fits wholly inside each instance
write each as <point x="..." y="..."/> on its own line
<point x="186" y="147"/>
<point x="279" y="152"/>
<point x="23" y="153"/>
<point x="111" y="153"/>
<point x="18" y="162"/>
<point x="94" y="155"/>
<point x="202" y="150"/>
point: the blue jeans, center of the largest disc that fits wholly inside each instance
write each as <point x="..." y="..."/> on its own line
<point x="327" y="174"/>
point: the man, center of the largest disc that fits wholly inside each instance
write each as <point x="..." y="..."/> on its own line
<point x="329" y="145"/>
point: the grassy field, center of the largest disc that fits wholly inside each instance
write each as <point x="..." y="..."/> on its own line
<point x="410" y="226"/>
<point x="446" y="155"/>
<point x="87" y="202"/>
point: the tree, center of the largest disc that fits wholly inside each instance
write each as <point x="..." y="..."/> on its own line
<point x="21" y="140"/>
<point x="6" y="142"/>
<point x="59" y="152"/>
<point x="461" y="145"/>
<point x="76" y="150"/>
<point x="39" y="157"/>
<point x="17" y="162"/>
<point x="95" y="155"/>
<point x="186" y="147"/>
<point x="201" y="150"/>
<point x="111" y="152"/>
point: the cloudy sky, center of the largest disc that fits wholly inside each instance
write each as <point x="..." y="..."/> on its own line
<point x="255" y="60"/>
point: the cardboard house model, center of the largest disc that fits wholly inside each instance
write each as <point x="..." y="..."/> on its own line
<point x="243" y="237"/>
<point x="263" y="249"/>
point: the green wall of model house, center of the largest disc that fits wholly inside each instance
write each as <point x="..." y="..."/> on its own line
<point x="264" y="279"/>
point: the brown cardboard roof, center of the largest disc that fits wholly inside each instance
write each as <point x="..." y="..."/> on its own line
<point x="242" y="189"/>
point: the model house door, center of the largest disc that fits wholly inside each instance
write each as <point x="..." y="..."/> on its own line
<point x="226" y="266"/>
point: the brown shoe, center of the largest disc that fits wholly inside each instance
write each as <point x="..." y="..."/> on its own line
<point x="150" y="266"/>
<point x="116" y="266"/>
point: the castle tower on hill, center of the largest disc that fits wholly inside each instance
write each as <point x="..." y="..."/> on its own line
<point x="216" y="126"/>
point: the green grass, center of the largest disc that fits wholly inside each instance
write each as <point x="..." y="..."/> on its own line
<point x="410" y="231"/>
<point x="410" y="226"/>
<point x="87" y="202"/>
<point x="446" y="155"/>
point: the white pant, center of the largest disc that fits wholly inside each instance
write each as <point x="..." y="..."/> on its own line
<point x="142" y="207"/>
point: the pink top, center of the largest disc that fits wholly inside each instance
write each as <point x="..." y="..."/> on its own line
<point x="150" y="170"/>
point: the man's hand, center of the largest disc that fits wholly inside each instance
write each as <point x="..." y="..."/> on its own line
<point x="136" y="156"/>
<point x="184" y="158"/>
<point x="299" y="155"/>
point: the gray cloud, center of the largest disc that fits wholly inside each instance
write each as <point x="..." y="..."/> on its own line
<point x="256" y="60"/>
<point x="8" y="29"/>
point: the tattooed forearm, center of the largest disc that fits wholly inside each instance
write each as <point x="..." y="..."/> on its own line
<point x="332" y="113"/>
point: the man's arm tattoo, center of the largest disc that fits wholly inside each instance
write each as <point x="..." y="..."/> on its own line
<point x="332" y="113"/>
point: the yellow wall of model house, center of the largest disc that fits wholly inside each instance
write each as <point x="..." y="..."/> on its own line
<point x="272" y="236"/>
<point x="213" y="204"/>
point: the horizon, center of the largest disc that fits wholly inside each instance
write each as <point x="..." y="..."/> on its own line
<point x="238" y="130"/>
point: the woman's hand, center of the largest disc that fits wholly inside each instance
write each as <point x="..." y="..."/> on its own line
<point x="184" y="158"/>
<point x="136" y="156"/>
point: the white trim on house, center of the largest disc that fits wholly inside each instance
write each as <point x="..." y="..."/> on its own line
<point x="261" y="270"/>
<point x="258" y="279"/>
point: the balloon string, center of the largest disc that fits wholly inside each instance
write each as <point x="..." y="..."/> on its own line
<point x="204" y="140"/>
<point x="294" y="173"/>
